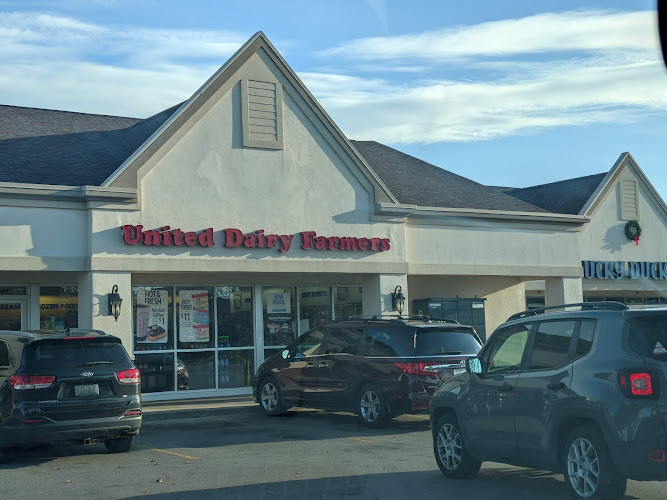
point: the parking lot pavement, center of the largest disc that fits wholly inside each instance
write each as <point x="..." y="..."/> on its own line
<point x="236" y="452"/>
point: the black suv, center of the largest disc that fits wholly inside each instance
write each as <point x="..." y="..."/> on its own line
<point x="67" y="385"/>
<point x="376" y="367"/>
<point x="579" y="389"/>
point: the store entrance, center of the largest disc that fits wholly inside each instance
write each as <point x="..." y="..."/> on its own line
<point x="12" y="314"/>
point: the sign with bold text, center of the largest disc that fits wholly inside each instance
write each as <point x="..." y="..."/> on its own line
<point x="616" y="270"/>
<point x="235" y="238"/>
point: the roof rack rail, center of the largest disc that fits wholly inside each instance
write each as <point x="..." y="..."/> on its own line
<point x="609" y="305"/>
<point x="453" y="321"/>
<point x="387" y="317"/>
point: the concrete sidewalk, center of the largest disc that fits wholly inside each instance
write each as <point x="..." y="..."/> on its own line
<point x="192" y="408"/>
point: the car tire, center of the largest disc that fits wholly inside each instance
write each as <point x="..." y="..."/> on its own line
<point x="270" y="397"/>
<point x="450" y="450"/>
<point x="119" y="445"/>
<point x="588" y="468"/>
<point x="372" y="407"/>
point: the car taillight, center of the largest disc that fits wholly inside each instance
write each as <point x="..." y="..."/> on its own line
<point x="30" y="382"/>
<point x="637" y="384"/>
<point x="132" y="376"/>
<point x="421" y="368"/>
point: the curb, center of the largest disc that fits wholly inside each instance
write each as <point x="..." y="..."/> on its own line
<point x="156" y="411"/>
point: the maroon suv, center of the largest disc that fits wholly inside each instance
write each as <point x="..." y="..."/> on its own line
<point x="379" y="367"/>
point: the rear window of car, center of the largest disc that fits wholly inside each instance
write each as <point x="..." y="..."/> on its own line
<point x="50" y="354"/>
<point x="648" y="336"/>
<point x="453" y="342"/>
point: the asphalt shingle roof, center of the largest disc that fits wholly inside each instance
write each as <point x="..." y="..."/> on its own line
<point x="85" y="157"/>
<point x="416" y="182"/>
<point x="40" y="146"/>
<point x="17" y="122"/>
<point x="563" y="197"/>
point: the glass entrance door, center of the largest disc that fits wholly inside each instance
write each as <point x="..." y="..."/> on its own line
<point x="12" y="314"/>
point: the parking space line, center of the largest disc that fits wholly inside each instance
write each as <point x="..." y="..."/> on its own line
<point x="168" y="452"/>
<point x="362" y="440"/>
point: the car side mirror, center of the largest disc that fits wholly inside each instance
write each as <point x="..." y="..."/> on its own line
<point x="474" y="365"/>
<point x="286" y="354"/>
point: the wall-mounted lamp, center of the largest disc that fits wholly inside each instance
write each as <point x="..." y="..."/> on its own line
<point x="114" y="303"/>
<point x="397" y="300"/>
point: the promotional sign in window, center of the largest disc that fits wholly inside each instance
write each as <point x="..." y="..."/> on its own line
<point x="152" y="316"/>
<point x="279" y="318"/>
<point x="278" y="303"/>
<point x="193" y="324"/>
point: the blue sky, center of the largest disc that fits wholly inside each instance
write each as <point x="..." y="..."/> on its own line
<point x="512" y="93"/>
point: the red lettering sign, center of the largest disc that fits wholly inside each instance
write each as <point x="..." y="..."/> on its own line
<point x="235" y="238"/>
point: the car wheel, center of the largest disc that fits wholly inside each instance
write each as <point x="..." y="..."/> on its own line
<point x="588" y="467"/>
<point x="119" y="445"/>
<point x="450" y="451"/>
<point x="372" y="408"/>
<point x="271" y="397"/>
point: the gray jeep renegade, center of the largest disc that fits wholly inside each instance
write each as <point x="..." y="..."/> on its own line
<point x="578" y="388"/>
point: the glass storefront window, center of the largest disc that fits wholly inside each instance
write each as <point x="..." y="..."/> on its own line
<point x="347" y="301"/>
<point x="235" y="313"/>
<point x="314" y="307"/>
<point x="157" y="372"/>
<point x="12" y="290"/>
<point x="279" y="315"/>
<point x="153" y="318"/>
<point x="58" y="307"/>
<point x="200" y="369"/>
<point x="235" y="368"/>
<point x="195" y="317"/>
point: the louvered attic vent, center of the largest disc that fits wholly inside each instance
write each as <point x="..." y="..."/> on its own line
<point x="629" y="200"/>
<point x="262" y="114"/>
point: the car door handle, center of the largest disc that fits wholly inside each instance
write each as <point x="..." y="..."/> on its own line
<point x="556" y="385"/>
<point x="324" y="365"/>
<point x="310" y="365"/>
<point x="505" y="387"/>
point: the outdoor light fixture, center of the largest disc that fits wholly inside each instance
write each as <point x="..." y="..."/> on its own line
<point x="114" y="303"/>
<point x="397" y="300"/>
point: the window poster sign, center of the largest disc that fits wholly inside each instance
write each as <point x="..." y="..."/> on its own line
<point x="193" y="316"/>
<point x="151" y="323"/>
<point x="279" y="318"/>
<point x="278" y="303"/>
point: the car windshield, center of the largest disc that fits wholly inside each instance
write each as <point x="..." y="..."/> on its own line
<point x="450" y="341"/>
<point x="53" y="353"/>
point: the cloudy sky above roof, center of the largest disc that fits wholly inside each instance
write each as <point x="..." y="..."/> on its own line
<point x="505" y="93"/>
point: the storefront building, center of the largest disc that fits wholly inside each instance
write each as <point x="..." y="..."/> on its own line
<point x="242" y="217"/>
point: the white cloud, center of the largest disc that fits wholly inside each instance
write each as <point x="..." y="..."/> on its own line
<point x="436" y="111"/>
<point x="113" y="70"/>
<point x="567" y="31"/>
<point x="612" y="72"/>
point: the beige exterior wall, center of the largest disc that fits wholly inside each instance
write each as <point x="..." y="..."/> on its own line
<point x="207" y="179"/>
<point x="474" y="247"/>
<point x="604" y="237"/>
<point x="43" y="239"/>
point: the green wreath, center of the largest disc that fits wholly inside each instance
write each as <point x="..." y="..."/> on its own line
<point x="633" y="230"/>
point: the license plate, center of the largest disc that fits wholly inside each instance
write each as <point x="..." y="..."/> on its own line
<point x="87" y="390"/>
<point x="459" y="371"/>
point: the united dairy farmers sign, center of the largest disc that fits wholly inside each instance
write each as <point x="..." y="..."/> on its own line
<point x="616" y="270"/>
<point x="235" y="238"/>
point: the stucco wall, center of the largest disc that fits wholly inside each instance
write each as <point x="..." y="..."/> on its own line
<point x="493" y="248"/>
<point x="604" y="237"/>
<point x="207" y="179"/>
<point x="42" y="238"/>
